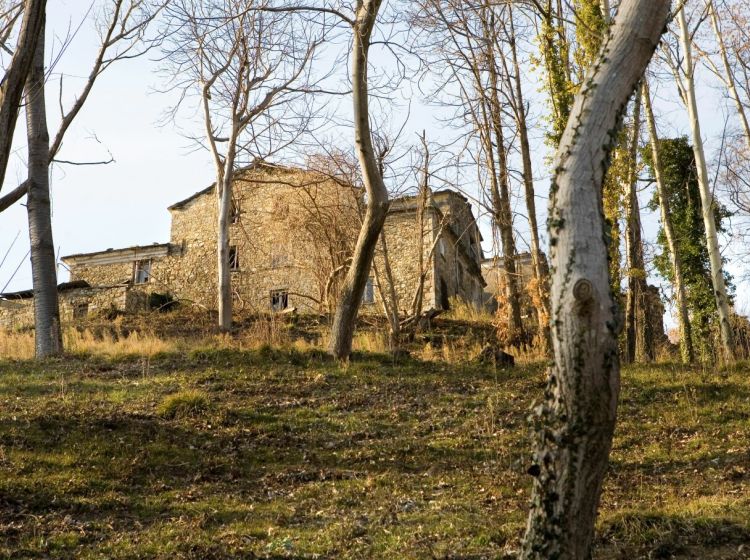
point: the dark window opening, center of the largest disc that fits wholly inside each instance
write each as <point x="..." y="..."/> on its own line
<point x="142" y="272"/>
<point x="444" y="300"/>
<point x="279" y="300"/>
<point x="81" y="311"/>
<point x="234" y="258"/>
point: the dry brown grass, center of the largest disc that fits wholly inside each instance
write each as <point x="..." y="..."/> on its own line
<point x="16" y="345"/>
<point x="20" y="345"/>
<point x="461" y="310"/>
<point x="270" y="330"/>
<point x="371" y="341"/>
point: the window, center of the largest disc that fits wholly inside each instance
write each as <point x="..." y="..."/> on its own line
<point x="441" y="247"/>
<point x="142" y="272"/>
<point x="369" y="295"/>
<point x="234" y="258"/>
<point x="279" y="300"/>
<point x="460" y="279"/>
<point x="80" y="310"/>
<point x="234" y="212"/>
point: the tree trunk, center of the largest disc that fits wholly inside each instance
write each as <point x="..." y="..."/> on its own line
<point x="224" y="202"/>
<point x="707" y="199"/>
<point x="422" y="199"/>
<point x="639" y="340"/>
<point x="686" y="337"/>
<point x="502" y="214"/>
<point x="345" y="317"/>
<point x="390" y="299"/>
<point x="47" y="332"/>
<point x="576" y="422"/>
<point x="542" y="281"/>
<point x="12" y="84"/>
<point x="605" y="10"/>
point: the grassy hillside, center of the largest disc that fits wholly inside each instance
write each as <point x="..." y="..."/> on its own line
<point x="219" y="453"/>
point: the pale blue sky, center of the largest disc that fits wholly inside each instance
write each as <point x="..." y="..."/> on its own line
<point x="125" y="203"/>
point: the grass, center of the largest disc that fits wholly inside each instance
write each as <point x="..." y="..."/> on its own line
<point x="210" y="452"/>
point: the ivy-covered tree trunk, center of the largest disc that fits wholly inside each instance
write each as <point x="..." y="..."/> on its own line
<point x="576" y="422"/>
<point x="554" y="49"/>
<point x="686" y="337"/>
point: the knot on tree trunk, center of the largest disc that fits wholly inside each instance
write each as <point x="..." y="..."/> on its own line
<point x="583" y="291"/>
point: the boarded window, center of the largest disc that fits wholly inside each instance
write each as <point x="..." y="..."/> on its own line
<point x="80" y="310"/>
<point x="142" y="271"/>
<point x="279" y="300"/>
<point x="234" y="258"/>
<point x="369" y="295"/>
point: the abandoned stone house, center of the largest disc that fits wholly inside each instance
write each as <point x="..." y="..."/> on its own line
<point x="292" y="233"/>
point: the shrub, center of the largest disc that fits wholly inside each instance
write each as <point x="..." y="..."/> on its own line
<point x="183" y="404"/>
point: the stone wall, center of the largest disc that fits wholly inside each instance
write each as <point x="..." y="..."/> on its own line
<point x="107" y="275"/>
<point x="456" y="274"/>
<point x="77" y="303"/>
<point x="16" y="314"/>
<point x="403" y="243"/>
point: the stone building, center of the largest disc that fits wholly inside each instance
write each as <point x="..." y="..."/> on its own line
<point x="292" y="234"/>
<point x="77" y="300"/>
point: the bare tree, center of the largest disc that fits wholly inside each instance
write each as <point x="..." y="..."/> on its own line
<point x="123" y="33"/>
<point x="727" y="72"/>
<point x="638" y="331"/>
<point x="520" y="110"/>
<point x="14" y="78"/>
<point x="684" y="75"/>
<point x="47" y="334"/>
<point x="376" y="209"/>
<point x="248" y="64"/>
<point x="576" y="422"/>
<point x="123" y="37"/>
<point x="466" y="48"/>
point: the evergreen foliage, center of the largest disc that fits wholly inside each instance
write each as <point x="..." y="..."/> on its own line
<point x="681" y="182"/>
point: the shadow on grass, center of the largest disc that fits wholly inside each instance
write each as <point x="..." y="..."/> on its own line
<point x="669" y="536"/>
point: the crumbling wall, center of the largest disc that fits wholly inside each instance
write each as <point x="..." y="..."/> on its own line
<point x="78" y="303"/>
